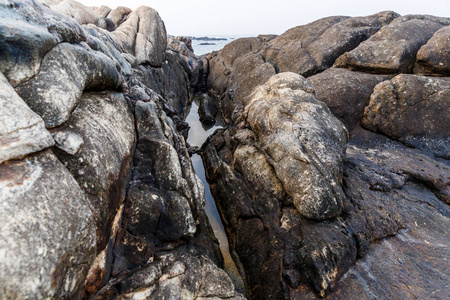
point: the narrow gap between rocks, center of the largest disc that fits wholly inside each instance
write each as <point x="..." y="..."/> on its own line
<point x="198" y="133"/>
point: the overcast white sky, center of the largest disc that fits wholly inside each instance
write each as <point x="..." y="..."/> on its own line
<point x="250" y="18"/>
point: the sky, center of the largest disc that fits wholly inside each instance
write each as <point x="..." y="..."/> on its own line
<point x="238" y="18"/>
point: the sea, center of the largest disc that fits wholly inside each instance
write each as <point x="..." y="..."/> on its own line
<point x="206" y="44"/>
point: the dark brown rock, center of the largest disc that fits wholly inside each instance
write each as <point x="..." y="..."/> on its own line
<point x="346" y="93"/>
<point x="393" y="49"/>
<point x="413" y="109"/>
<point x="433" y="58"/>
<point x="314" y="47"/>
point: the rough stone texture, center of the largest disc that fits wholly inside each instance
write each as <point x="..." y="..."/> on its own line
<point x="433" y="58"/>
<point x="246" y="63"/>
<point x="270" y="172"/>
<point x="143" y="34"/>
<point x="388" y="51"/>
<point x="66" y="74"/>
<point x="413" y="109"/>
<point x="105" y="123"/>
<point x="314" y="149"/>
<point x="315" y="46"/>
<point x="119" y="14"/>
<point x="100" y="40"/>
<point x="29" y="31"/>
<point x="174" y="276"/>
<point x="207" y="109"/>
<point x="21" y="130"/>
<point x="48" y="233"/>
<point x="346" y="93"/>
<point x="77" y="11"/>
<point x="66" y="71"/>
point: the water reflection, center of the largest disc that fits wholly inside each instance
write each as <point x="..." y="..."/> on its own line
<point x="197" y="136"/>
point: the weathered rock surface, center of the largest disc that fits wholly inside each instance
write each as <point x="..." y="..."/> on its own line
<point x="29" y="31"/>
<point x="105" y="124"/>
<point x="48" y="234"/>
<point x="115" y="211"/>
<point x="143" y="34"/>
<point x="388" y="51"/>
<point x="433" y="58"/>
<point x="346" y="93"/>
<point x="246" y="63"/>
<point x="413" y="109"/>
<point x="66" y="71"/>
<point x="76" y="10"/>
<point x="22" y="131"/>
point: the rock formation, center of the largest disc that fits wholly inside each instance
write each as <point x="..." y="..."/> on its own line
<point x="332" y="176"/>
<point x="311" y="211"/>
<point x="98" y="196"/>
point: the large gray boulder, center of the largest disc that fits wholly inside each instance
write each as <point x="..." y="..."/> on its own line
<point x="413" y="109"/>
<point x="48" y="231"/>
<point x="29" y="31"/>
<point x="143" y="34"/>
<point x="22" y="131"/>
<point x="105" y="124"/>
<point x="388" y="51"/>
<point x="76" y="10"/>
<point x="66" y="71"/>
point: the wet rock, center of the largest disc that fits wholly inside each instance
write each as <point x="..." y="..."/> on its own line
<point x="66" y="71"/>
<point x="388" y="51"/>
<point x="29" y="31"/>
<point x="433" y="58"/>
<point x="379" y="171"/>
<point x="101" y="166"/>
<point x="22" y="131"/>
<point x="207" y="109"/>
<point x="413" y="109"/>
<point x="48" y="233"/>
<point x="346" y="93"/>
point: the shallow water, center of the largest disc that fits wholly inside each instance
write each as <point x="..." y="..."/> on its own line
<point x="197" y="136"/>
<point x="203" y="49"/>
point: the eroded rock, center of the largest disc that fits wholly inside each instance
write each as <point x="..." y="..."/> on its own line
<point x="433" y="58"/>
<point x="105" y="123"/>
<point x="48" y="231"/>
<point x="413" y="109"/>
<point x="388" y="51"/>
<point x="22" y="131"/>
<point x="66" y="71"/>
<point x="29" y="31"/>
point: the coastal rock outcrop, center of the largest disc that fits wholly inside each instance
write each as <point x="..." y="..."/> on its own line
<point x="98" y="194"/>
<point x="331" y="174"/>
<point x="390" y="179"/>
